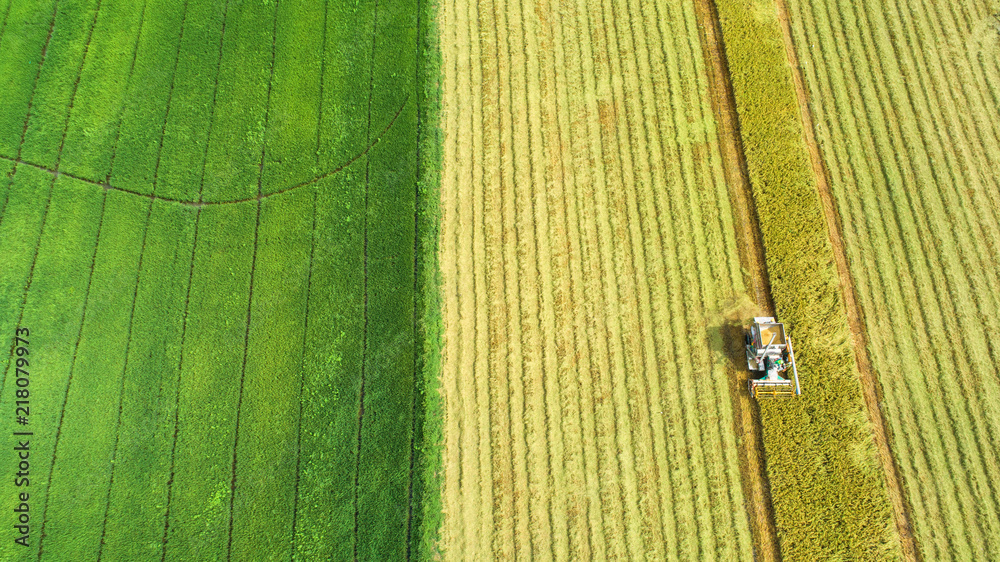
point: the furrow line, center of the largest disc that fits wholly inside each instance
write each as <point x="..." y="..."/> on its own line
<point x="480" y="263"/>
<point x="580" y="512"/>
<point x="451" y="482"/>
<point x="717" y="205"/>
<point x="27" y="290"/>
<point x="637" y="191"/>
<point x="322" y="75"/>
<point x="302" y="384"/>
<point x="691" y="531"/>
<point x="609" y="205"/>
<point x="465" y="264"/>
<point x="253" y="272"/>
<point x="364" y="336"/>
<point x="187" y="297"/>
<point x="142" y="251"/>
<point x="69" y="379"/>
<point x="525" y="134"/>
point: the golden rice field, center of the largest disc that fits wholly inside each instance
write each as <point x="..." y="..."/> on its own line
<point x="587" y="250"/>
<point x="904" y="97"/>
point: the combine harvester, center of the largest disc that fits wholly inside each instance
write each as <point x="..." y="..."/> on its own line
<point x="770" y="354"/>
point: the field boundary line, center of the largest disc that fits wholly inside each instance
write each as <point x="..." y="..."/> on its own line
<point x="253" y="271"/>
<point x="364" y="336"/>
<point x="187" y="297"/>
<point x="869" y="382"/>
<point x="20" y="145"/>
<point x="746" y="415"/>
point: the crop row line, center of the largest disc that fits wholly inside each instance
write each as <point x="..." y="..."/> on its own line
<point x="253" y="272"/>
<point x="142" y="250"/>
<point x="190" y="283"/>
<point x="305" y="329"/>
<point x="62" y="410"/>
<point x="364" y="333"/>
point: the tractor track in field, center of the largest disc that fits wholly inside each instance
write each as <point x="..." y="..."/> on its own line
<point x="190" y="282"/>
<point x="34" y="261"/>
<point x="253" y="272"/>
<point x="135" y="292"/>
<point x="872" y="389"/>
<point x="746" y="419"/>
<point x="105" y="185"/>
<point x="364" y="336"/>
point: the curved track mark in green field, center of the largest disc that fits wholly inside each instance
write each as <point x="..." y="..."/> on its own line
<point x="259" y="197"/>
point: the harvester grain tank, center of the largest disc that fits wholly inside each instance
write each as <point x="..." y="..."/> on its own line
<point x="770" y="357"/>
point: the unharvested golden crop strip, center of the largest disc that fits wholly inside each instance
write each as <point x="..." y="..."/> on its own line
<point x="586" y="248"/>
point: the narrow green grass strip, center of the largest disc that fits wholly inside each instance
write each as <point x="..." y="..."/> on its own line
<point x="55" y="83"/>
<point x="20" y="54"/>
<point x="86" y="438"/>
<point x="428" y="436"/>
<point x="828" y="491"/>
<point x="209" y="387"/>
<point x="138" y="496"/>
<point x="145" y="103"/>
<point x="266" y="460"/>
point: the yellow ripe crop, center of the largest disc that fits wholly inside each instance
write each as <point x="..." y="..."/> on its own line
<point x="828" y="494"/>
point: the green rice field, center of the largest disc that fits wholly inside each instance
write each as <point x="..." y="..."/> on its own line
<point x="210" y="213"/>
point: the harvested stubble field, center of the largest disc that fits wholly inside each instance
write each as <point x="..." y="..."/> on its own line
<point x="904" y="97"/>
<point x="210" y="232"/>
<point x="587" y="248"/>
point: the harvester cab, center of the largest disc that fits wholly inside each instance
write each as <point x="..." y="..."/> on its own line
<point x="769" y="357"/>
